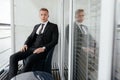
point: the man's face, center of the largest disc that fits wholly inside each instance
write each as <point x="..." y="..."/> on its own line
<point x="80" y="17"/>
<point x="43" y="16"/>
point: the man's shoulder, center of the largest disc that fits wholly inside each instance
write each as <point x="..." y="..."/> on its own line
<point x="52" y="23"/>
<point x="85" y="27"/>
<point x="49" y="23"/>
<point x="37" y="25"/>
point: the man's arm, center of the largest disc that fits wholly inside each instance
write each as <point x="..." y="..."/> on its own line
<point x="54" y="41"/>
<point x="91" y="41"/>
<point x="27" y="42"/>
<point x="30" y="38"/>
<point x="47" y="47"/>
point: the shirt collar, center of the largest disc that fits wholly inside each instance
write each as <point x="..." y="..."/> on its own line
<point x="44" y="22"/>
<point x="78" y="23"/>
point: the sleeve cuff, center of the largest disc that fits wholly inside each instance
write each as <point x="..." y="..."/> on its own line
<point x="44" y="47"/>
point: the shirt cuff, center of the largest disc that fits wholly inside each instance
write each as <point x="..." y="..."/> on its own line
<point x="44" y="47"/>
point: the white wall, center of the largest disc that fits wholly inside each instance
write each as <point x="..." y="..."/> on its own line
<point x="106" y="39"/>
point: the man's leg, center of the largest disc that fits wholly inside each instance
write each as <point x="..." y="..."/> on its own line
<point x="31" y="60"/>
<point x="14" y="62"/>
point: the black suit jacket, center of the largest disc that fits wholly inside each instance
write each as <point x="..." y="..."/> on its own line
<point x="85" y="40"/>
<point x="50" y="36"/>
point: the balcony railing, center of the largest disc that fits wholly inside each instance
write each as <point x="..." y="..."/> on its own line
<point x="5" y="44"/>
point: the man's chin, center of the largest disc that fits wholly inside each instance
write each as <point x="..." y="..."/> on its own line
<point x="43" y="20"/>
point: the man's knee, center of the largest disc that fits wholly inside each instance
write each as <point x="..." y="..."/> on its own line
<point x="31" y="59"/>
<point x="14" y="57"/>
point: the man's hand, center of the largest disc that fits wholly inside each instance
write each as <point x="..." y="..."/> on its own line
<point x="39" y="50"/>
<point x="88" y="49"/>
<point x="24" y="48"/>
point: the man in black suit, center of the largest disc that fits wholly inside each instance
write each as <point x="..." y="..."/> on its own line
<point x="81" y="32"/>
<point x="43" y="38"/>
<point x="83" y="42"/>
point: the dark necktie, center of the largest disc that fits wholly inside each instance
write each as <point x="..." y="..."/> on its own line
<point x="42" y="25"/>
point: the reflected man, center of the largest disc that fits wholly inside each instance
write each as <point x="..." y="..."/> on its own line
<point x="82" y="43"/>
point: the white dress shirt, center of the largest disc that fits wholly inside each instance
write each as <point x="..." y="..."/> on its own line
<point x="38" y="30"/>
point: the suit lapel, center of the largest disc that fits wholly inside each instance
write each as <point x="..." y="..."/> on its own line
<point x="77" y="27"/>
<point x="36" y="29"/>
<point x="46" y="28"/>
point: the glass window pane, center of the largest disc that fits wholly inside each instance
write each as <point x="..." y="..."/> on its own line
<point x="86" y="15"/>
<point x="5" y="33"/>
<point x="5" y="48"/>
<point x="66" y="31"/>
<point x="116" y="57"/>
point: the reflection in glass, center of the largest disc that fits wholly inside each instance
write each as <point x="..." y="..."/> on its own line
<point x="116" y="58"/>
<point x="94" y="31"/>
<point x="86" y="39"/>
<point x="80" y="43"/>
<point x="66" y="31"/>
<point x="116" y="66"/>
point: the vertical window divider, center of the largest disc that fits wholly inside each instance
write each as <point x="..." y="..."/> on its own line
<point x="70" y="55"/>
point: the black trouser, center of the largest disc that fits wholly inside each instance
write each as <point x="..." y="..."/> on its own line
<point x="31" y="59"/>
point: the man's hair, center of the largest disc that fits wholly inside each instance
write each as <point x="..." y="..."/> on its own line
<point x="78" y="11"/>
<point x="44" y="9"/>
